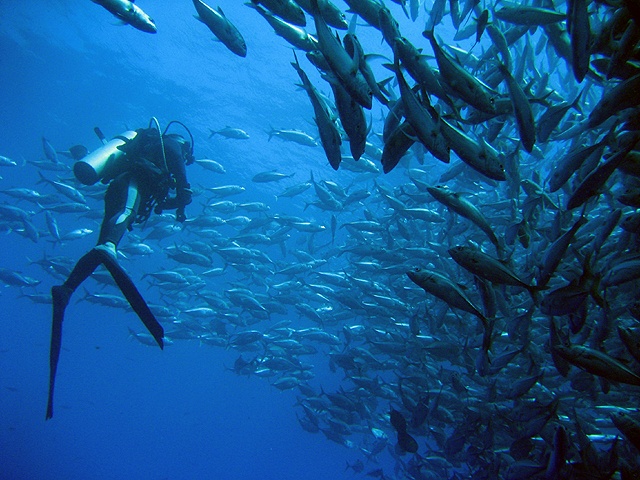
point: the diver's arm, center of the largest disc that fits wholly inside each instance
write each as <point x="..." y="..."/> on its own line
<point x="178" y="170"/>
<point x="181" y="199"/>
<point x="183" y="194"/>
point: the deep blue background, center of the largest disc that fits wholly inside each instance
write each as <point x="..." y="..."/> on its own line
<point x="125" y="410"/>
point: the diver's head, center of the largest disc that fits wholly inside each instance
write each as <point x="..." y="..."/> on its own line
<point x="187" y="149"/>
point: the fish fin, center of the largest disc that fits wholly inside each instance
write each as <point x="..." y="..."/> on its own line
<point x="295" y="64"/>
<point x="388" y="66"/>
<point x="253" y="4"/>
<point x="429" y="34"/>
<point x="575" y="104"/>
<point x="352" y="24"/>
<point x="43" y="179"/>
<point x="357" y="55"/>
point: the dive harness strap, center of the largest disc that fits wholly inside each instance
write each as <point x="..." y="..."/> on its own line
<point x="60" y="299"/>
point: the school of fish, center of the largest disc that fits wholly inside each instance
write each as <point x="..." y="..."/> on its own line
<point x="483" y="316"/>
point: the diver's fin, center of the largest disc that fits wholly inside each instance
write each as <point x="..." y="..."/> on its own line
<point x="60" y="298"/>
<point x="134" y="298"/>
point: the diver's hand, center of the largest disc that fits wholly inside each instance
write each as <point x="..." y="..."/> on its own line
<point x="183" y="196"/>
<point x="180" y="215"/>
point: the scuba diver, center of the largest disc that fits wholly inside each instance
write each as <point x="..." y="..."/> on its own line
<point x="141" y="168"/>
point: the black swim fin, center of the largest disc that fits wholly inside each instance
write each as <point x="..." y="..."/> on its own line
<point x="134" y="298"/>
<point x="60" y="298"/>
<point x="61" y="294"/>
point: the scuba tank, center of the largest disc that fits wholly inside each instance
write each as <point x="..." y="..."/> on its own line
<point x="100" y="163"/>
<point x="96" y="164"/>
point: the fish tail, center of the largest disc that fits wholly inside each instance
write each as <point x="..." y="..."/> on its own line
<point x="499" y="244"/>
<point x="535" y="294"/>
<point x="600" y="300"/>
<point x="43" y="179"/>
<point x="576" y="103"/>
<point x="353" y="23"/>
<point x="487" y="337"/>
<point x="429" y="33"/>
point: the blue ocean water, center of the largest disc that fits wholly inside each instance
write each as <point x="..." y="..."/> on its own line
<point x="123" y="409"/>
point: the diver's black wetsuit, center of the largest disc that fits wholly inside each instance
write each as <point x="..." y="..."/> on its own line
<point x="133" y="188"/>
<point x="141" y="183"/>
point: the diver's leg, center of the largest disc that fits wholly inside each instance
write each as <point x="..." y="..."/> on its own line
<point x="61" y="294"/>
<point x="121" y="203"/>
<point x="117" y="200"/>
<point x="121" y="208"/>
